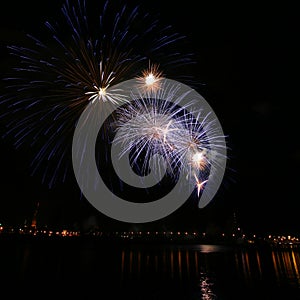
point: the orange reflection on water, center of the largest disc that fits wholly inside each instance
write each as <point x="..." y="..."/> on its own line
<point x="286" y="265"/>
<point x="250" y="265"/>
<point x="296" y="261"/>
<point x="179" y="264"/>
<point x="275" y="264"/>
<point x="245" y="266"/>
<point x="130" y="261"/>
<point x="187" y="263"/>
<point x="172" y="263"/>
<point x="122" y="264"/>
<point x="196" y="263"/>
<point x="258" y="264"/>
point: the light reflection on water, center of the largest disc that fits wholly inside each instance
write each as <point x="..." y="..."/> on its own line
<point x="202" y="272"/>
<point x="178" y="263"/>
<point x="286" y="265"/>
<point x="206" y="286"/>
<point x="204" y="263"/>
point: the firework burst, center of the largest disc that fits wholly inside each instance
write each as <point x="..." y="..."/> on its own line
<point x="186" y="140"/>
<point x="75" y="64"/>
<point x="150" y="79"/>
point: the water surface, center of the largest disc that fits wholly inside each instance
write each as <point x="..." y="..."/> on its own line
<point x="116" y="271"/>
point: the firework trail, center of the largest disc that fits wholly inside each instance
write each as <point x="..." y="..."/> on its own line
<point x="75" y="64"/>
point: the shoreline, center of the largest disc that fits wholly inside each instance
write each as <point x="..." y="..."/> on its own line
<point x="144" y="241"/>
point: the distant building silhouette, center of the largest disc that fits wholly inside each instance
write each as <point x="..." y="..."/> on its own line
<point x="233" y="226"/>
<point x="34" y="221"/>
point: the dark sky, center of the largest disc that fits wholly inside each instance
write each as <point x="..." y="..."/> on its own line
<point x="247" y="60"/>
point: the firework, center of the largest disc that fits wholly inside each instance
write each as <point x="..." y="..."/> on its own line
<point x="77" y="63"/>
<point x="187" y="141"/>
<point x="150" y="78"/>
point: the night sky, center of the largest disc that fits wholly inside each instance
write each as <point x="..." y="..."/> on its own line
<point x="248" y="65"/>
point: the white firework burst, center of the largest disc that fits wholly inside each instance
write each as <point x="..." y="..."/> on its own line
<point x="185" y="140"/>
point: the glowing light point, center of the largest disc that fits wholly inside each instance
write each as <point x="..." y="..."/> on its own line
<point x="102" y="92"/>
<point x="99" y="94"/>
<point x="199" y="185"/>
<point x="198" y="160"/>
<point x="150" y="79"/>
<point x="198" y="157"/>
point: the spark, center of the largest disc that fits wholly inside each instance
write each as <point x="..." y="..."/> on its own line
<point x="198" y="160"/>
<point x="199" y="185"/>
<point x="151" y="77"/>
<point x="99" y="94"/>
